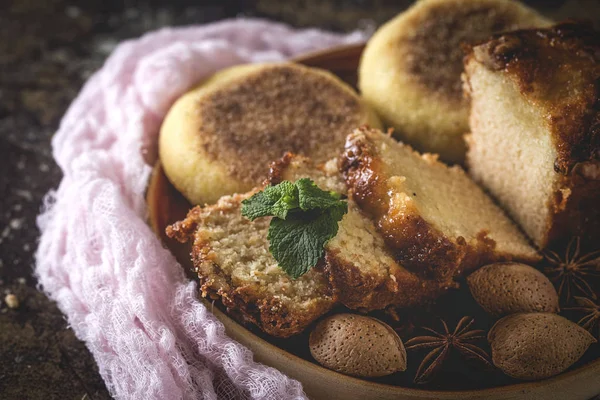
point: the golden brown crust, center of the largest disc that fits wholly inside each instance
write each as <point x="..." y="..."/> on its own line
<point x="353" y="287"/>
<point x="219" y="137"/>
<point x="410" y="69"/>
<point x="401" y="288"/>
<point x="278" y="168"/>
<point x="558" y="69"/>
<point x="416" y="244"/>
<point x="247" y="301"/>
<point x="576" y="206"/>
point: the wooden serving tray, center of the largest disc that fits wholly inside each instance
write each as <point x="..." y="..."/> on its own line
<point x="166" y="205"/>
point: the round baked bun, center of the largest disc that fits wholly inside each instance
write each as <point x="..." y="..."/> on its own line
<point x="410" y="70"/>
<point x="220" y="137"/>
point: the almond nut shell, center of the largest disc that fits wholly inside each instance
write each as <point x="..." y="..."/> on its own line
<point x="533" y="346"/>
<point x="508" y="288"/>
<point x="357" y="345"/>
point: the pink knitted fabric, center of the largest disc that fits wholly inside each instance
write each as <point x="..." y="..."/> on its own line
<point x="123" y="293"/>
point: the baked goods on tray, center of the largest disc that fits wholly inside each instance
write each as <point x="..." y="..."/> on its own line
<point x="229" y="128"/>
<point x="410" y="70"/>
<point x="535" y="129"/>
<point x="435" y="219"/>
<point x="378" y="228"/>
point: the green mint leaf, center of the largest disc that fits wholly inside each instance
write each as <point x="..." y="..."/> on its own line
<point x="297" y="243"/>
<point x="312" y="197"/>
<point x="305" y="218"/>
<point x="274" y="201"/>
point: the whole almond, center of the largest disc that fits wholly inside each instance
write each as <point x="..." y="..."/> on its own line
<point x="537" y="345"/>
<point x="357" y="345"/>
<point x="508" y="288"/>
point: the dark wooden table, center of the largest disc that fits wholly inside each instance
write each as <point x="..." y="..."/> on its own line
<point x="48" y="48"/>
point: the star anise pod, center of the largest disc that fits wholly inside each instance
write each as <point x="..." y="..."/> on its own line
<point x="591" y="319"/>
<point x="442" y="344"/>
<point x="571" y="273"/>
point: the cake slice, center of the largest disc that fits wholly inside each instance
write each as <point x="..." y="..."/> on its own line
<point x="437" y="221"/>
<point x="231" y="256"/>
<point x="535" y="123"/>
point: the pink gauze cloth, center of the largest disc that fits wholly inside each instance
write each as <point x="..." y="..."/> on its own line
<point x="123" y="293"/>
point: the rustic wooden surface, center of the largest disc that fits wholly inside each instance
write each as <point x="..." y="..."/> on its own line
<point x="48" y="48"/>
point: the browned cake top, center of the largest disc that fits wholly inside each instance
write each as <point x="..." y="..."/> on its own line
<point x="281" y="108"/>
<point x="435" y="58"/>
<point x="558" y="69"/>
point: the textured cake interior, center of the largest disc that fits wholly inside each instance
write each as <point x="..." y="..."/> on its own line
<point x="445" y="197"/>
<point x="241" y="250"/>
<point x="513" y="153"/>
<point x="293" y="167"/>
<point x="360" y="244"/>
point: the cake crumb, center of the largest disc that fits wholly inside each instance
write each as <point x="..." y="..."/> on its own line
<point x="16" y="223"/>
<point x="11" y="301"/>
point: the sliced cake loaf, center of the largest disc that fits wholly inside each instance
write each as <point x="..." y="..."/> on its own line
<point x="535" y="123"/>
<point x="231" y="256"/>
<point x="438" y="222"/>
<point x="360" y="268"/>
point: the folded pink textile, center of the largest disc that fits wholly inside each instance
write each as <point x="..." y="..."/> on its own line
<point x="123" y="293"/>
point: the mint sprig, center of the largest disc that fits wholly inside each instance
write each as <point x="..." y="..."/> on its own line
<point x="305" y="219"/>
